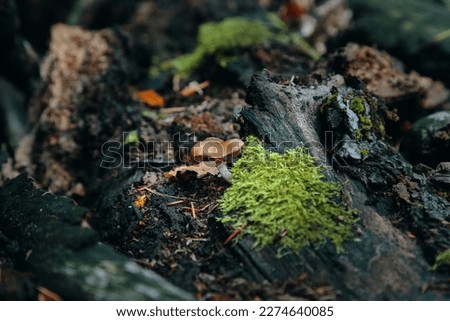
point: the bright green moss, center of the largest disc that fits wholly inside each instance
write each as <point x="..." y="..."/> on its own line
<point x="132" y="138"/>
<point x="213" y="37"/>
<point x="442" y="259"/>
<point x="186" y="64"/>
<point x="358" y="135"/>
<point x="234" y="32"/>
<point x="357" y="105"/>
<point x="364" y="152"/>
<point x="221" y="39"/>
<point x="283" y="198"/>
<point x="332" y="99"/>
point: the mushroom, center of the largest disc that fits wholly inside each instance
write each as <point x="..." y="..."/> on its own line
<point x="220" y="151"/>
<point x="210" y="148"/>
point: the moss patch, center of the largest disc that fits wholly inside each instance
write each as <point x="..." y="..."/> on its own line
<point x="442" y="259"/>
<point x="357" y="104"/>
<point x="221" y="39"/>
<point x="354" y="113"/>
<point x="330" y="101"/>
<point x="364" y="152"/>
<point x="283" y="197"/>
<point x="213" y="37"/>
<point x="132" y="138"/>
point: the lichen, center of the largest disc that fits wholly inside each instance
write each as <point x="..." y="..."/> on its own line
<point x="442" y="259"/>
<point x="284" y="198"/>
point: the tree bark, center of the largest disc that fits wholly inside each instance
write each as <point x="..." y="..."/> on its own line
<point x="382" y="262"/>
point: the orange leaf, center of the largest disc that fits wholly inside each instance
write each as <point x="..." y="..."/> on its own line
<point x="292" y="11"/>
<point x="140" y="201"/>
<point x="151" y="98"/>
<point x="194" y="88"/>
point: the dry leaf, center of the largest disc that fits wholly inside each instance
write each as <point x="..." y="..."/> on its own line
<point x="292" y="11"/>
<point x="151" y="98"/>
<point x="140" y="201"/>
<point x="202" y="169"/>
<point x="194" y="88"/>
<point x="410" y="235"/>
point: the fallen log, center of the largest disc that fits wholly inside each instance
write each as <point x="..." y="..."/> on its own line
<point x="41" y="234"/>
<point x="382" y="262"/>
<point x="81" y="103"/>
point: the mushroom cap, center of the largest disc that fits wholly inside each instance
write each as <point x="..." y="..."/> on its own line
<point x="233" y="147"/>
<point x="215" y="148"/>
<point x="210" y="148"/>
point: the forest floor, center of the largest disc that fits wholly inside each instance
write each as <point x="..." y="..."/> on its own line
<point x="103" y="103"/>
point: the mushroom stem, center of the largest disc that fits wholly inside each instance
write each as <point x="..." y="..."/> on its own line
<point x="224" y="171"/>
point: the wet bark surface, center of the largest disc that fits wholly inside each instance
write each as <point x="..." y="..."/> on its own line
<point x="382" y="188"/>
<point x="43" y="234"/>
<point x="80" y="104"/>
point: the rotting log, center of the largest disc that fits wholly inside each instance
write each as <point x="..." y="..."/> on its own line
<point x="41" y="234"/>
<point x="82" y="102"/>
<point x="381" y="262"/>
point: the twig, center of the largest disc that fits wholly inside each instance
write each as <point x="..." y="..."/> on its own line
<point x="234" y="234"/>
<point x="194" y="215"/>
<point x="170" y="110"/>
<point x="197" y="239"/>
<point x="47" y="295"/>
<point x="175" y="203"/>
<point x="204" y="208"/>
<point x="164" y="195"/>
<point x="213" y="207"/>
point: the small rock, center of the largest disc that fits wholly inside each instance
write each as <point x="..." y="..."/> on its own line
<point x="441" y="175"/>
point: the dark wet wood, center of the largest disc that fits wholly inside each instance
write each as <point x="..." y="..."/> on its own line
<point x="381" y="262"/>
<point x="41" y="234"/>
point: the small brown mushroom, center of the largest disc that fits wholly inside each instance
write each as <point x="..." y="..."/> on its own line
<point x="218" y="150"/>
<point x="210" y="148"/>
<point x="233" y="147"/>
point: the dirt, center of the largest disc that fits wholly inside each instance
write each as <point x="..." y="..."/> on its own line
<point x="176" y="235"/>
